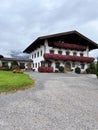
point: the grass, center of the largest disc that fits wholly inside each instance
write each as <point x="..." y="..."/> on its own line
<point x="11" y="82"/>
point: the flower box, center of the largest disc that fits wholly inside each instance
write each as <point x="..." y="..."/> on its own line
<point x="45" y="69"/>
<point x="68" y="58"/>
<point x="70" y="46"/>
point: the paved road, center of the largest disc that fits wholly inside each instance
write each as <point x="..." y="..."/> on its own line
<point x="57" y="102"/>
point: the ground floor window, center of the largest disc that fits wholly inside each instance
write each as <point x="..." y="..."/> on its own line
<point x="57" y="64"/>
<point x="35" y="65"/>
<point x="82" y="66"/>
<point x="4" y="64"/>
<point x="42" y="64"/>
<point x="22" y="65"/>
<point x="73" y="64"/>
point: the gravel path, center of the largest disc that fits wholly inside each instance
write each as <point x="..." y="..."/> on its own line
<point x="57" y="102"/>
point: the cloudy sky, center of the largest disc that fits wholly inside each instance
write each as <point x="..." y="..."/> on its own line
<point x="22" y="21"/>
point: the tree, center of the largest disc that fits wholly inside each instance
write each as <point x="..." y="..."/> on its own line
<point x="97" y="68"/>
<point x="14" y="65"/>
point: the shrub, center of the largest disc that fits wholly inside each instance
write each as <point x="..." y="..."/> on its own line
<point x="61" y="69"/>
<point x="88" y="71"/>
<point x="5" y="68"/>
<point x="56" y="71"/>
<point x="45" y="69"/>
<point x="14" y="65"/>
<point x="18" y="71"/>
<point x="97" y="69"/>
<point x="77" y="70"/>
<point x="97" y="74"/>
<point x="92" y="68"/>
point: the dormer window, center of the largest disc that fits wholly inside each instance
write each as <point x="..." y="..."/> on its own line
<point x="51" y="51"/>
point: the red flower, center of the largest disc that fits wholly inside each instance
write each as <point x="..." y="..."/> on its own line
<point x="70" y="46"/>
<point x="45" y="69"/>
<point x="68" y="58"/>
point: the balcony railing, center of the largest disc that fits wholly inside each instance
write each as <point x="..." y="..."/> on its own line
<point x="70" y="46"/>
<point x="48" y="56"/>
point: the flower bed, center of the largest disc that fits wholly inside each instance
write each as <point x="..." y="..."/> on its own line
<point x="68" y="58"/>
<point x="70" y="46"/>
<point x="45" y="69"/>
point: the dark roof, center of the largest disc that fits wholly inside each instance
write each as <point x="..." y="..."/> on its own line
<point x="73" y="36"/>
<point x="1" y="56"/>
<point x="15" y="59"/>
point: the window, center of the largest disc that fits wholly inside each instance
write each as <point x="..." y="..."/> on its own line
<point x="41" y="53"/>
<point x="73" y="64"/>
<point x="38" y="64"/>
<point x="4" y="64"/>
<point x="74" y="53"/>
<point x="57" y="65"/>
<point x="42" y="64"/>
<point x="51" y="51"/>
<point x="59" y="52"/>
<point x="35" y="65"/>
<point x="67" y="52"/>
<point x="49" y="64"/>
<point x="81" y="54"/>
<point x="82" y="66"/>
<point x="32" y="56"/>
<point x="37" y="54"/>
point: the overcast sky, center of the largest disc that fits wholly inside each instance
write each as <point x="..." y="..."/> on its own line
<point x="22" y="21"/>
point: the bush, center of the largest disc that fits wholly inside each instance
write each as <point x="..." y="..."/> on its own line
<point x="14" y="65"/>
<point x="88" y="71"/>
<point x="45" y="69"/>
<point x="97" y="74"/>
<point x="56" y="71"/>
<point x="61" y="69"/>
<point x="77" y="70"/>
<point x="92" y="68"/>
<point x="18" y="71"/>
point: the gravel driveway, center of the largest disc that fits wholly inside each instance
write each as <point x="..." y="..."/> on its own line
<point x="57" y="102"/>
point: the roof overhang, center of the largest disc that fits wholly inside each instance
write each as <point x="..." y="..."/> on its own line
<point x="71" y="36"/>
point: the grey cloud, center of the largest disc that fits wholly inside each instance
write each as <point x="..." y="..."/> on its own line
<point x="22" y="21"/>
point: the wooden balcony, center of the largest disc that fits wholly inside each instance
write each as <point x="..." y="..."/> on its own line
<point x="48" y="56"/>
<point x="70" y="46"/>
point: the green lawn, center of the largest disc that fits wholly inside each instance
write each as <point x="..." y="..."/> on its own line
<point x="10" y="82"/>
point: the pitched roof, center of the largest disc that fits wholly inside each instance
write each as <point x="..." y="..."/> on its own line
<point x="73" y="35"/>
<point x="15" y="59"/>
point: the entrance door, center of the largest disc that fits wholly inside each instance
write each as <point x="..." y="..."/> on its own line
<point x="67" y="66"/>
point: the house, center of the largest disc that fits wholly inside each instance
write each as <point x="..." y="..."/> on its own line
<point x="67" y="49"/>
<point x="23" y="63"/>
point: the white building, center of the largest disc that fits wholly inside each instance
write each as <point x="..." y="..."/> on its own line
<point x="6" y="62"/>
<point x="68" y="49"/>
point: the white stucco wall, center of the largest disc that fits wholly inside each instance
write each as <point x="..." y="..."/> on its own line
<point x="0" y="63"/>
<point x="37" y="60"/>
<point x="46" y="49"/>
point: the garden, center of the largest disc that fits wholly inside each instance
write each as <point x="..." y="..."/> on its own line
<point x="14" y="79"/>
